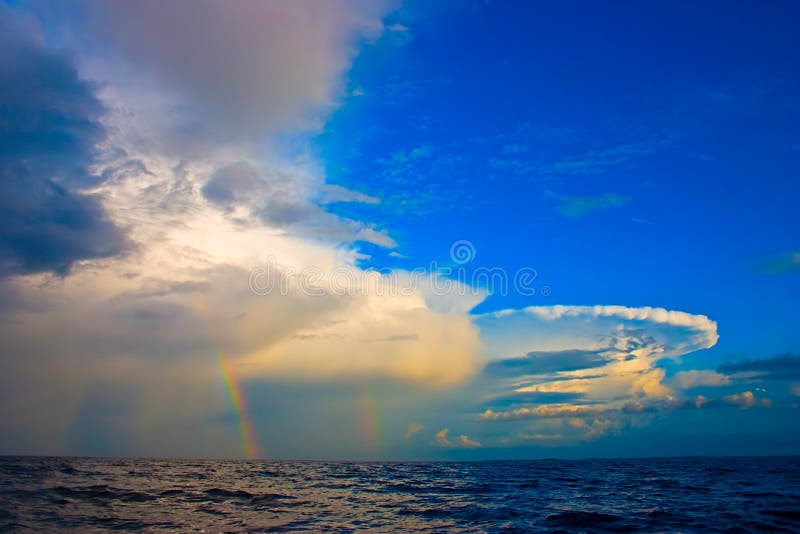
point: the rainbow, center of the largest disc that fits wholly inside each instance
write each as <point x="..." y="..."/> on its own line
<point x="239" y="405"/>
<point x="234" y="391"/>
<point x="367" y="413"/>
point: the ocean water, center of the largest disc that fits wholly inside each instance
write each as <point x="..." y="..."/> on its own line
<point x="638" y="495"/>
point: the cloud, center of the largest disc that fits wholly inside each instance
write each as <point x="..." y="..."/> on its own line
<point x="223" y="58"/>
<point x="441" y="438"/>
<point x="402" y="158"/>
<point x="49" y="127"/>
<point x="202" y="222"/>
<point x="519" y="158"/>
<point x="746" y="400"/>
<point x="704" y="330"/>
<point x="780" y="367"/>
<point x="544" y="412"/>
<point x="557" y="433"/>
<point x="151" y="327"/>
<point x="541" y="437"/>
<point x="612" y="373"/>
<point x="193" y="163"/>
<point x="397" y="28"/>
<point x="463" y="441"/>
<point x="389" y="335"/>
<point x="785" y="263"/>
<point x="692" y="379"/>
<point x="578" y="206"/>
<point x="337" y="193"/>
<point x="276" y="198"/>
<point x="580" y="415"/>
<point x="371" y="235"/>
<point x="399" y="34"/>
<point x="213" y="89"/>
<point x="413" y="428"/>
<point x="284" y="198"/>
<point x="466" y="442"/>
<point x="594" y="428"/>
<point x="539" y="362"/>
<point x="199" y="161"/>
<point x="600" y="160"/>
<point x="633" y="405"/>
<point x="668" y="333"/>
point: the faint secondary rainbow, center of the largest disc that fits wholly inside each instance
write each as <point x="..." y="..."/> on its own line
<point x="234" y="391"/>
<point x="367" y="412"/>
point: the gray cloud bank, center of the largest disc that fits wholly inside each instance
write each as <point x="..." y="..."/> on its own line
<point x="49" y="126"/>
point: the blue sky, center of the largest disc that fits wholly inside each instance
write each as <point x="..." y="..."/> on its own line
<point x="638" y="161"/>
<point x="531" y="116"/>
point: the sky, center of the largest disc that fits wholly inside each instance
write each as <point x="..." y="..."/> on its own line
<point x="373" y="230"/>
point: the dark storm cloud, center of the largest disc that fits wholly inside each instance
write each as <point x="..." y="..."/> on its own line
<point x="542" y="362"/>
<point x="48" y="129"/>
<point x="780" y="367"/>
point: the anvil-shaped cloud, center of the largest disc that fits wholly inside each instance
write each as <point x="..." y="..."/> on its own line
<point x="585" y="363"/>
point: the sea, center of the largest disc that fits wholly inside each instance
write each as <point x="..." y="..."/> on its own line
<point x="53" y="494"/>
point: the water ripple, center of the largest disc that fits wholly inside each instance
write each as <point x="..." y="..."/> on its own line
<point x="655" y="495"/>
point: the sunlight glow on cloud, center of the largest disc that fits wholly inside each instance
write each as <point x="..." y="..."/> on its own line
<point x="462" y="441"/>
<point x="609" y="361"/>
<point x="746" y="400"/>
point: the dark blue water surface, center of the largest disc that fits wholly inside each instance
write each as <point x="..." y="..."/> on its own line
<point x="651" y="495"/>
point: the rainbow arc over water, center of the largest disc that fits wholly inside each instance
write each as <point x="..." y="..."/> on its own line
<point x="239" y="405"/>
<point x="233" y="389"/>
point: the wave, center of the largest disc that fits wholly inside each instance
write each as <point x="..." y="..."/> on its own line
<point x="84" y="494"/>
